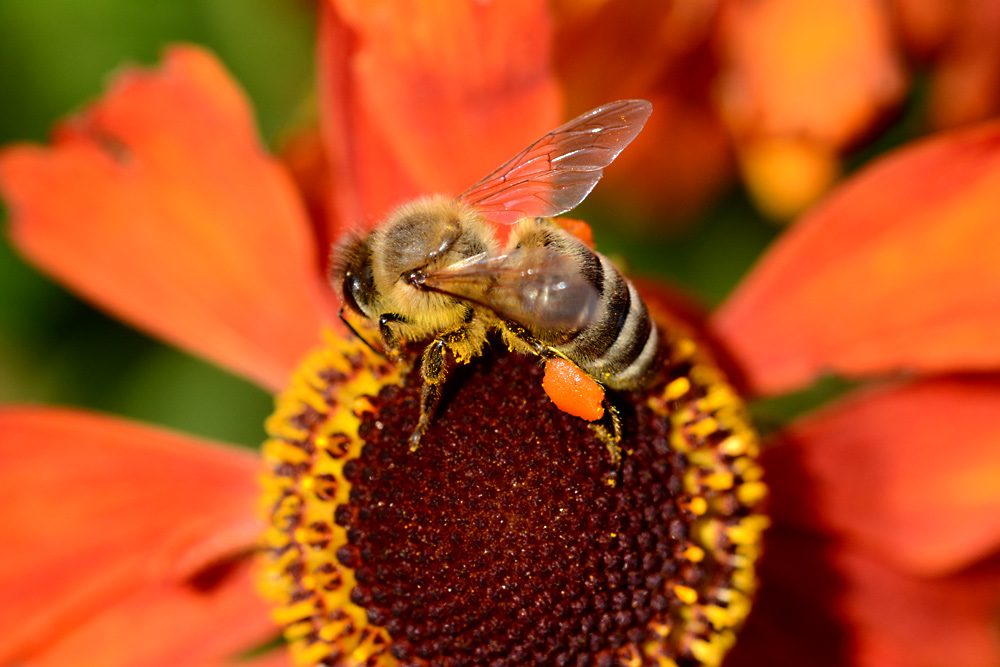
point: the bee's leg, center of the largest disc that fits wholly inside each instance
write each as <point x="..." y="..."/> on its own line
<point x="611" y="437"/>
<point x="433" y="369"/>
<point x="389" y="337"/>
<point x="539" y="348"/>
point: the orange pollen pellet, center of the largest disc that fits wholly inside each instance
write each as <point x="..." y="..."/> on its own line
<point x="573" y="391"/>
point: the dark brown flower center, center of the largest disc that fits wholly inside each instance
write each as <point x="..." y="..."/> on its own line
<point x="499" y="541"/>
<point x="509" y="537"/>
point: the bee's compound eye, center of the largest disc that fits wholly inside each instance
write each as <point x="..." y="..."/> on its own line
<point x="351" y="290"/>
<point x="359" y="290"/>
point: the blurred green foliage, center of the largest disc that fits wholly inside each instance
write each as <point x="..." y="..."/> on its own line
<point x="54" y="56"/>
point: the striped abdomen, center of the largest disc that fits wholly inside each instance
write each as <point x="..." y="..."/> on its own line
<point x="618" y="347"/>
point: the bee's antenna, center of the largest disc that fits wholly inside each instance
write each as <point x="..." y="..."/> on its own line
<point x="340" y="314"/>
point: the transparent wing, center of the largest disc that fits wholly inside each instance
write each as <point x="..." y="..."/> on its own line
<point x="554" y="174"/>
<point x="534" y="287"/>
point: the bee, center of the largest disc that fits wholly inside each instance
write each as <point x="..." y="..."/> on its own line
<point x="436" y="269"/>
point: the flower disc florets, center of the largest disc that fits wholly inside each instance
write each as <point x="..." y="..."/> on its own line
<point x="500" y="541"/>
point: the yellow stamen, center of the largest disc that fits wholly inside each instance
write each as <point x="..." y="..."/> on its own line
<point x="677" y="388"/>
<point x="694" y="554"/>
<point x="685" y="594"/>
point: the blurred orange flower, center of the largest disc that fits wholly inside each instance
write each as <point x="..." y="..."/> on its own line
<point x="129" y="545"/>
<point x="804" y="83"/>
<point x="663" y="52"/>
<point x="783" y="89"/>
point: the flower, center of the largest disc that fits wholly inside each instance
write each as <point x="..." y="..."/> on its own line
<point x="132" y="545"/>
<point x="782" y="90"/>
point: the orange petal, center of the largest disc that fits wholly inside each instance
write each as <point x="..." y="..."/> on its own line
<point x="303" y="153"/>
<point x="662" y="52"/>
<point x="898" y="620"/>
<point x="965" y="83"/>
<point x="159" y="204"/>
<point x="823" y="605"/>
<point x="821" y="70"/>
<point x="608" y="49"/>
<point x="573" y="391"/>
<point x="899" y="270"/>
<point x="170" y="624"/>
<point x="100" y="513"/>
<point x="425" y="96"/>
<point x="925" y="26"/>
<point x="910" y="473"/>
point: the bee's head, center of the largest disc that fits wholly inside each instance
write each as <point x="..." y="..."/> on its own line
<point x="351" y="274"/>
<point x="421" y="236"/>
